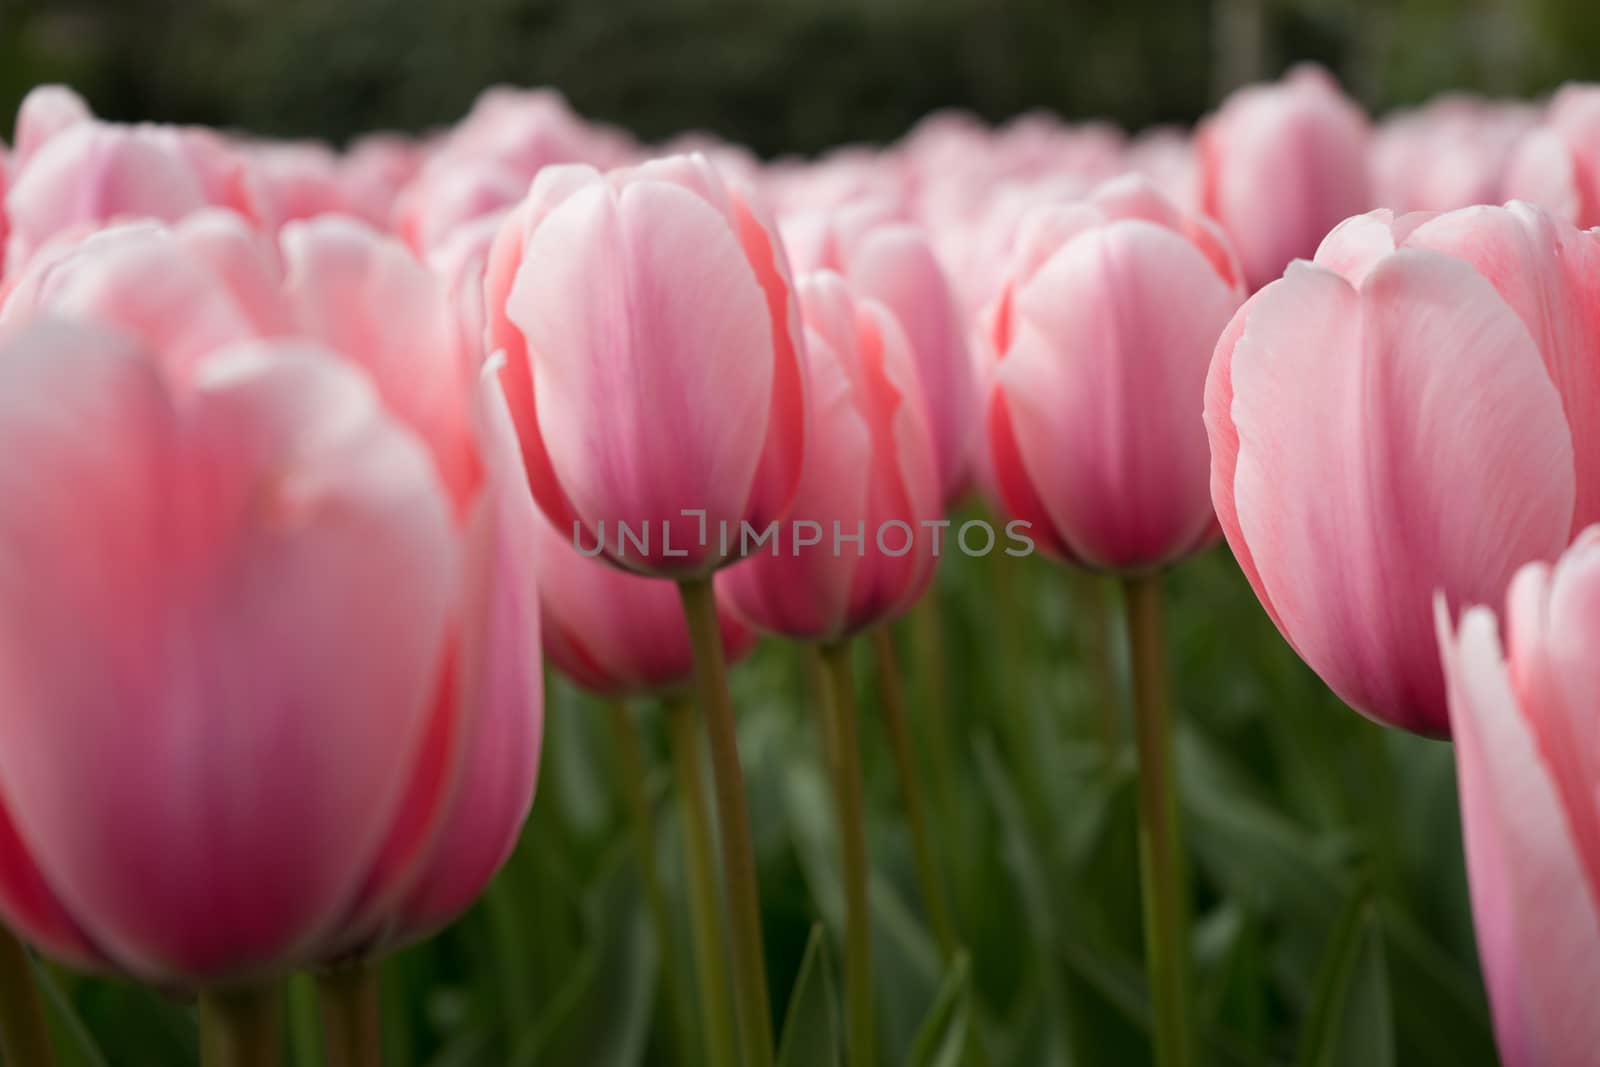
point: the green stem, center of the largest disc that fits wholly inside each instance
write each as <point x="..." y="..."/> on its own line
<point x="631" y="765"/>
<point x="1095" y="634"/>
<point x="352" y="1025"/>
<point x="705" y="911"/>
<point x="841" y="717"/>
<point x="933" y="691"/>
<point x="733" y="816"/>
<point x="24" y="1038"/>
<point x="1161" y="864"/>
<point x="239" y="1028"/>
<point x="894" y="720"/>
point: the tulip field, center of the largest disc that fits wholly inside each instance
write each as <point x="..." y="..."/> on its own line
<point x="1023" y="595"/>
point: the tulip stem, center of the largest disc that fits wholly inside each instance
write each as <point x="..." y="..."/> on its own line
<point x="240" y="1028"/>
<point x="840" y="721"/>
<point x="352" y="1030"/>
<point x="927" y="628"/>
<point x="1161" y="865"/>
<point x="24" y="1038"/>
<point x="705" y="904"/>
<point x="733" y="816"/>
<point x="894" y="720"/>
<point x="1095" y="628"/>
<point x="631" y="764"/>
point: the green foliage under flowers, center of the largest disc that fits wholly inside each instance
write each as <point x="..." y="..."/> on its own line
<point x="1332" y="925"/>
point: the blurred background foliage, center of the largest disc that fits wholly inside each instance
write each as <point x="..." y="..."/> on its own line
<point x="1333" y="924"/>
<point x="778" y="75"/>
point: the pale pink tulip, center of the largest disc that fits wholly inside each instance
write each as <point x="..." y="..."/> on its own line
<point x="891" y="262"/>
<point x="45" y="112"/>
<point x="1452" y="153"/>
<point x="871" y="475"/>
<point x="1099" y="343"/>
<point x="94" y="172"/>
<point x="1523" y="718"/>
<point x="654" y="360"/>
<point x="418" y="772"/>
<point x="1557" y="166"/>
<point x="1279" y="165"/>
<point x="1413" y="412"/>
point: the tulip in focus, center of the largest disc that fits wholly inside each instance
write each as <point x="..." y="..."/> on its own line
<point x="1413" y="412"/>
<point x="654" y="360"/>
<point x="1280" y="165"/>
<point x="871" y="475"/>
<point x="284" y="710"/>
<point x="1522" y="711"/>
<point x="1099" y="342"/>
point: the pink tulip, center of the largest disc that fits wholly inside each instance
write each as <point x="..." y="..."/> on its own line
<point x="1415" y="411"/>
<point x="615" y="633"/>
<point x="362" y="806"/>
<point x="1557" y="166"/>
<point x="293" y="180"/>
<point x="1523" y="718"/>
<point x="45" y="112"/>
<point x="94" y="172"/>
<point x="1280" y="165"/>
<point x="654" y="362"/>
<point x="1099" y="343"/>
<point x="870" y="475"/>
<point x="373" y="173"/>
<point x="890" y="262"/>
<point x="1449" y="154"/>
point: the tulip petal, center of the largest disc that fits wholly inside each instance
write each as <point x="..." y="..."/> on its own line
<point x="1392" y="441"/>
<point x="502" y="689"/>
<point x="1104" y="383"/>
<point x="652" y="357"/>
<point x="205" y="700"/>
<point x="1536" y="918"/>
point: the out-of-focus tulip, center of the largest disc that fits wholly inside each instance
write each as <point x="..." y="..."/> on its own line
<point x="1412" y="412"/>
<point x="1099" y="343"/>
<point x="360" y="699"/>
<point x="615" y="633"/>
<point x="1557" y="166"/>
<point x="293" y="180"/>
<point x="1450" y="154"/>
<point x="45" y="112"/>
<point x="871" y="476"/>
<point x="1280" y="165"/>
<point x="96" y="172"/>
<point x="1522" y="715"/>
<point x="373" y="173"/>
<point x="890" y="262"/>
<point x="654" y="360"/>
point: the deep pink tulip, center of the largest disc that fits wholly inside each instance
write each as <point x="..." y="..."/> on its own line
<point x="871" y="475"/>
<point x="891" y="262"/>
<point x="615" y="633"/>
<point x="654" y="360"/>
<point x="309" y="470"/>
<point x="1523" y="718"/>
<point x="1099" y="343"/>
<point x="1557" y="166"/>
<point x="1279" y="165"/>
<point x="1452" y="153"/>
<point x="1412" y="412"/>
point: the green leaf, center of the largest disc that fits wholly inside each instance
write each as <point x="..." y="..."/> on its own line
<point x="943" y="1036"/>
<point x="811" y="1026"/>
<point x="1351" y="1021"/>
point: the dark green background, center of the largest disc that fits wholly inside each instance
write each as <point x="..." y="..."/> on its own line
<point x="778" y="75"/>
